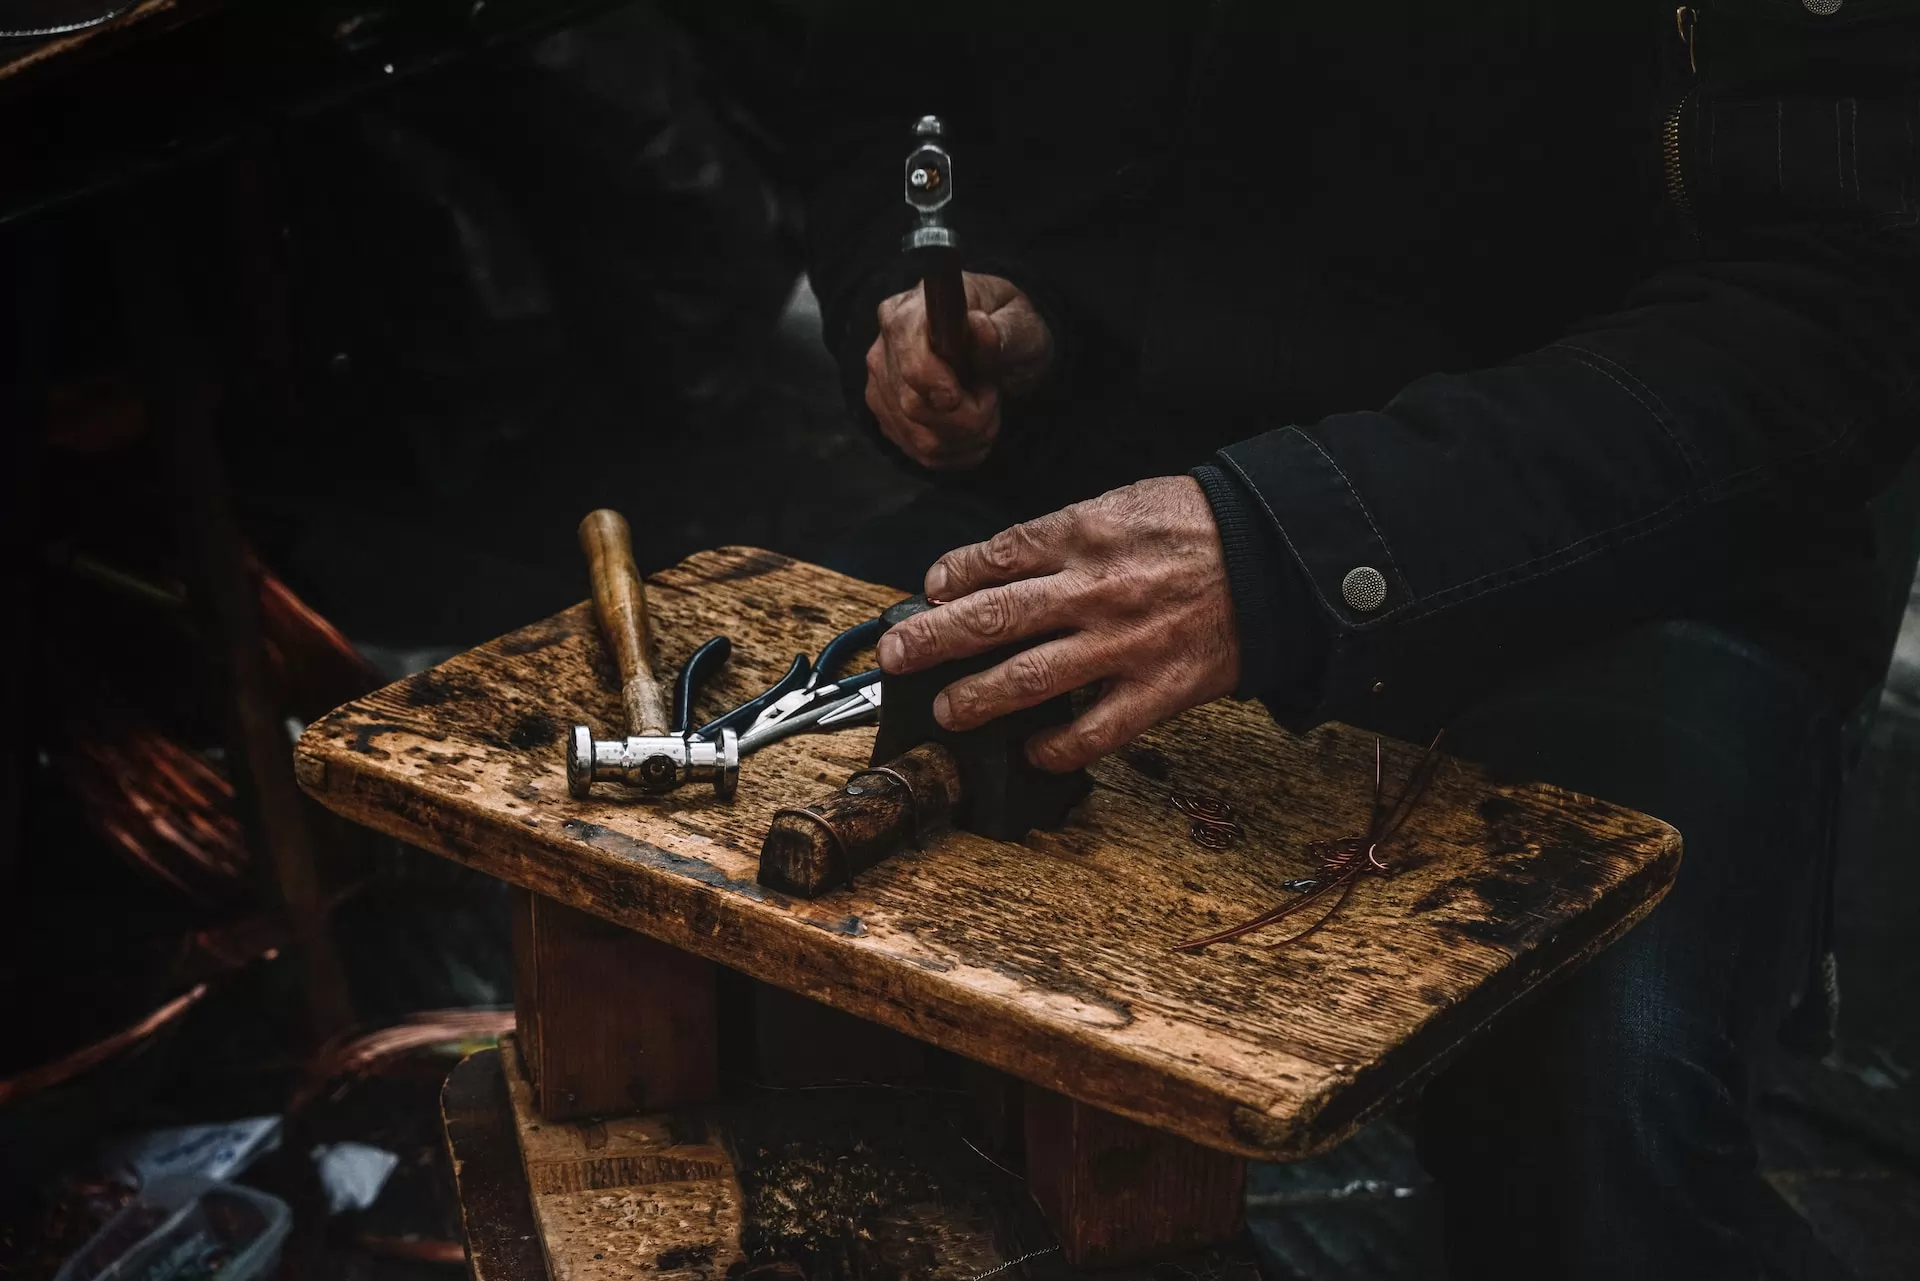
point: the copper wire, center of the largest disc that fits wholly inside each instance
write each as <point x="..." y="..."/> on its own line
<point x="1212" y="824"/>
<point x="1342" y="861"/>
<point x="840" y="846"/>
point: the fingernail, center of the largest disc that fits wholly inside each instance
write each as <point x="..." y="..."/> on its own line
<point x="891" y="652"/>
<point x="937" y="582"/>
<point x="942" y="709"/>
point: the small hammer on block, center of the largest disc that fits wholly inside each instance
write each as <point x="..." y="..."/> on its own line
<point x="651" y="757"/>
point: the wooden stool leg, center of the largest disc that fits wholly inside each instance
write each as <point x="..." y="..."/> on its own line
<point x="1116" y="1191"/>
<point x="610" y="1021"/>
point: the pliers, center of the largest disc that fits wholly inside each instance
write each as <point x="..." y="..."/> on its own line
<point x="809" y="695"/>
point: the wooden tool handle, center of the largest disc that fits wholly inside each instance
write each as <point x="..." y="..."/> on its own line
<point x="881" y="811"/>
<point x="620" y="603"/>
<point x="947" y="331"/>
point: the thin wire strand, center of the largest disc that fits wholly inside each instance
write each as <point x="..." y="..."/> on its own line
<point x="1014" y="1263"/>
<point x="1345" y="859"/>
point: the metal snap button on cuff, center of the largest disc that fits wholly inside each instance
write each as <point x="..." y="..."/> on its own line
<point x="1364" y="589"/>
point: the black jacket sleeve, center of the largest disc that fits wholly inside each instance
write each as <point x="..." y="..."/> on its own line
<point x="1752" y="387"/>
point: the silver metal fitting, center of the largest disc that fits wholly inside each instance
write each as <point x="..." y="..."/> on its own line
<point x="658" y="763"/>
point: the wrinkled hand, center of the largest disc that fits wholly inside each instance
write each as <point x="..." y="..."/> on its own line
<point x="1137" y="582"/>
<point x="921" y="402"/>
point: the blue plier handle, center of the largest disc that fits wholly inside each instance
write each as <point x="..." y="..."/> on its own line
<point x="798" y="687"/>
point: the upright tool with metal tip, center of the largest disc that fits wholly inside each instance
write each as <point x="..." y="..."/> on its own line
<point x="655" y="755"/>
<point x="935" y="247"/>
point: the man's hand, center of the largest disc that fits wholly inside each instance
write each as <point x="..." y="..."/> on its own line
<point x="1135" y="582"/>
<point x="922" y="404"/>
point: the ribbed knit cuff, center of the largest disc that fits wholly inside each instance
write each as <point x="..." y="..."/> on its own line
<point x="1283" y="635"/>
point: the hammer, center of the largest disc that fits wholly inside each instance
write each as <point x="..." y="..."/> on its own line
<point x="935" y="247"/>
<point x="653" y="756"/>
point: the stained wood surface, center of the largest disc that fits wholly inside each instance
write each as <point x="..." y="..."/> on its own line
<point x="874" y="1183"/>
<point x="1049" y="960"/>
<point x="571" y="970"/>
<point x="613" y="1198"/>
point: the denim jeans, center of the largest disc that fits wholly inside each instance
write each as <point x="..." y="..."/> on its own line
<point x="1601" y="1131"/>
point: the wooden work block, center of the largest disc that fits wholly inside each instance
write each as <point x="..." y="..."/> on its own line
<point x="1051" y="960"/>
<point x="1116" y="1191"/>
<point x="610" y="1020"/>
<point x="628" y="1195"/>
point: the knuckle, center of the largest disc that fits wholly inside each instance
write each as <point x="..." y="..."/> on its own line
<point x="1099" y="524"/>
<point x="1030" y="675"/>
<point x="992" y="617"/>
<point x="1002" y="551"/>
<point x="1006" y="550"/>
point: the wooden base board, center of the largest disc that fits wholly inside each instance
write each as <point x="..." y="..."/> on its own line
<point x="876" y="1183"/>
<point x="625" y="1196"/>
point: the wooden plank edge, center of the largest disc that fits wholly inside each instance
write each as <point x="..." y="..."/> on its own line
<point x="1440" y="1041"/>
<point x="1118" y="1083"/>
<point x="496" y="1207"/>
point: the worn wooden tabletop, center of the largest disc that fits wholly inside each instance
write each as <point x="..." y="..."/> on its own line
<point x="1050" y="960"/>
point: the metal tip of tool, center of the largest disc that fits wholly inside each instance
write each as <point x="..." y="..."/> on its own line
<point x="579" y="762"/>
<point x="929" y="129"/>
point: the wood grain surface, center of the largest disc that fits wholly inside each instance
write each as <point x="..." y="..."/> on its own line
<point x="1116" y="1191"/>
<point x="622" y="1196"/>
<point x="1049" y="960"/>
<point x="570" y="969"/>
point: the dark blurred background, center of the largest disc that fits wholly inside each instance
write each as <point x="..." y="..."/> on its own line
<point x="322" y="326"/>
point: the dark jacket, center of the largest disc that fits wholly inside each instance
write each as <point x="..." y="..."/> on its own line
<point x="1543" y="318"/>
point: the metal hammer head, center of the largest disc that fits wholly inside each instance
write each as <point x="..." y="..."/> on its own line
<point x="655" y="763"/>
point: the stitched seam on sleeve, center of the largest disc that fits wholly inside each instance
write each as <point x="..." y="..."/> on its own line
<point x="1305" y="571"/>
<point x="1617" y="374"/>
<point x="1659" y="518"/>
<point x="1534" y="567"/>
<point x="1379" y="537"/>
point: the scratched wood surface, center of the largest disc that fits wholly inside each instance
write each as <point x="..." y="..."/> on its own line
<point x="1049" y="960"/>
<point x="878" y="1183"/>
<point x="626" y="1195"/>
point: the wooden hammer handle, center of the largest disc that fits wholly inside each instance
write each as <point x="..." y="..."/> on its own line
<point x="948" y="332"/>
<point x="620" y="603"/>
